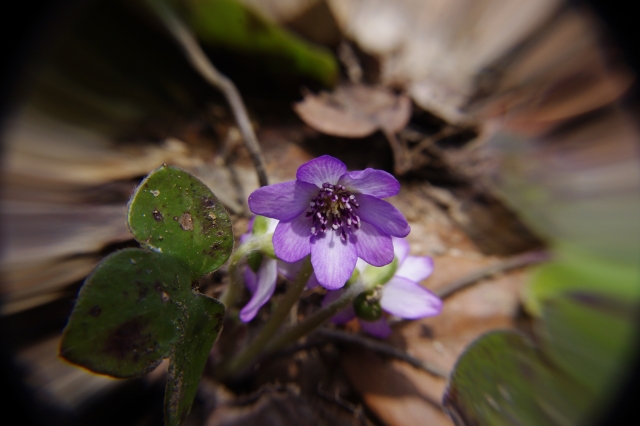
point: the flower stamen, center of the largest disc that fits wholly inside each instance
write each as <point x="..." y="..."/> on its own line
<point x="334" y="207"/>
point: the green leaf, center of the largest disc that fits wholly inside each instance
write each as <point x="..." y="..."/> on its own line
<point x="260" y="225"/>
<point x="174" y="213"/>
<point x="123" y="322"/>
<point x="231" y="25"/>
<point x="588" y="336"/>
<point x="586" y="309"/>
<point x="136" y="309"/>
<point x="199" y="327"/>
<point x="501" y="379"/>
<point x="374" y="275"/>
<point x="578" y="271"/>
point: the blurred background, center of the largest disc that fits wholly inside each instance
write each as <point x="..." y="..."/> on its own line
<point x="512" y="127"/>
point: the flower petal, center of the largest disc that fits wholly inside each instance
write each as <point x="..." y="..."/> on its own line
<point x="346" y="314"/>
<point x="379" y="328"/>
<point x="361" y="264"/>
<point x="333" y="260"/>
<point x="415" y="268"/>
<point x="400" y="248"/>
<point x="266" y="285"/>
<point x="313" y="281"/>
<point x="320" y="170"/>
<point x="377" y="183"/>
<point x="250" y="279"/>
<point x="383" y="215"/>
<point x="290" y="272"/>
<point x="292" y="240"/>
<point x="407" y="299"/>
<point x="245" y="237"/>
<point x="372" y="245"/>
<point x="272" y="226"/>
<point x="282" y="201"/>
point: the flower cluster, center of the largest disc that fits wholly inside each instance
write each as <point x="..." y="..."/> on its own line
<point x="334" y="215"/>
<point x="398" y="293"/>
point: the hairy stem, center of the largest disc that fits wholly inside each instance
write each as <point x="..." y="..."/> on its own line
<point x="255" y="347"/>
<point x="292" y="334"/>
<point x="209" y="72"/>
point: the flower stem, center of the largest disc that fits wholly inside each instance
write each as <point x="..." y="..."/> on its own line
<point x="312" y="322"/>
<point x="251" y="351"/>
<point x="230" y="295"/>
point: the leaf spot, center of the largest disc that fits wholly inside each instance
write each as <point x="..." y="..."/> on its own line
<point x="186" y="222"/>
<point x="157" y="215"/>
<point x="155" y="192"/>
<point x="126" y="340"/>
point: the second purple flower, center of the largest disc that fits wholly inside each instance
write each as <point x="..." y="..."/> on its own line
<point x="334" y="215"/>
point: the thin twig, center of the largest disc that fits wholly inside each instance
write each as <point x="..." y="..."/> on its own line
<point x="208" y="71"/>
<point x="401" y="159"/>
<point x="525" y="259"/>
<point x="430" y="140"/>
<point x="382" y="349"/>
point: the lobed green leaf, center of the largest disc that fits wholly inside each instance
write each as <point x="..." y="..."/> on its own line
<point x="174" y="213"/>
<point x="199" y="328"/>
<point x="123" y="323"/>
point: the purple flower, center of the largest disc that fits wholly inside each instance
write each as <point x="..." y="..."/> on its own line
<point x="261" y="274"/>
<point x="401" y="295"/>
<point x="334" y="215"/>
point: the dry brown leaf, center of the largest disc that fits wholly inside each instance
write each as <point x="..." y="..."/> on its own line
<point x="438" y="48"/>
<point x="355" y="111"/>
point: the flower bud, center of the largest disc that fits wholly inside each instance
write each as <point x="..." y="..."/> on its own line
<point x="367" y="305"/>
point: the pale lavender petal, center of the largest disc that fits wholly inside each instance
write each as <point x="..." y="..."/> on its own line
<point x="383" y="215"/>
<point x="292" y="240"/>
<point x="361" y="265"/>
<point x="250" y="279"/>
<point x="266" y="285"/>
<point x="374" y="182"/>
<point x="250" y="225"/>
<point x="245" y="237"/>
<point x="407" y="299"/>
<point x="290" y="272"/>
<point x="282" y="201"/>
<point x="333" y="260"/>
<point x="272" y="225"/>
<point x="313" y="281"/>
<point x="415" y="268"/>
<point x="379" y="328"/>
<point x="346" y="314"/>
<point x="372" y="245"/>
<point x="400" y="248"/>
<point x="320" y="170"/>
